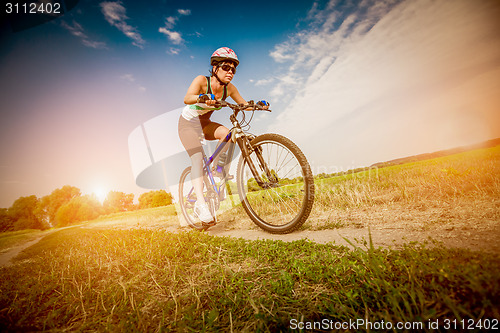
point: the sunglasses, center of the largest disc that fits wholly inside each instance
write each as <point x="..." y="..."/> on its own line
<point x="228" y="68"/>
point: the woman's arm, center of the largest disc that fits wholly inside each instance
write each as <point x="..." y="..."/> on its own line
<point x="194" y="90"/>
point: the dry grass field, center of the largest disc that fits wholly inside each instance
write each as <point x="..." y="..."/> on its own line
<point x="140" y="271"/>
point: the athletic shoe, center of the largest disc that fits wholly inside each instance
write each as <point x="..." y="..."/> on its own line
<point x="202" y="212"/>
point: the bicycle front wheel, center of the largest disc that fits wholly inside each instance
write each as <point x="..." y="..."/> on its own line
<point x="278" y="194"/>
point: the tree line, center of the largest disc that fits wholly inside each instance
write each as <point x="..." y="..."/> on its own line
<point x="66" y="206"/>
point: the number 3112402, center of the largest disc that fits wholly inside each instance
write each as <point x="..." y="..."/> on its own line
<point x="33" y="8"/>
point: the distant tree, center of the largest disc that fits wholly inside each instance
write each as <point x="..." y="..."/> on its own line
<point x="90" y="208"/>
<point x="6" y="221"/>
<point x="161" y="198"/>
<point x="118" y="202"/>
<point x="145" y="200"/>
<point x="155" y="199"/>
<point x="78" y="209"/>
<point x="23" y="214"/>
<point x="50" y="204"/>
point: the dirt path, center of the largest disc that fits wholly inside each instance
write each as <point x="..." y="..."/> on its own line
<point x="6" y="257"/>
<point x="487" y="240"/>
<point x="387" y="228"/>
<point x="460" y="224"/>
<point x="455" y="225"/>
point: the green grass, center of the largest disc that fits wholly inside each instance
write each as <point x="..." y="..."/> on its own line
<point x="144" y="218"/>
<point x="158" y="212"/>
<point x="145" y="280"/>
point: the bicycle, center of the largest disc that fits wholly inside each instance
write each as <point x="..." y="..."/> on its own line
<point x="274" y="180"/>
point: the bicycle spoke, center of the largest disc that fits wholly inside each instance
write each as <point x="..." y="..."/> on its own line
<point x="280" y="203"/>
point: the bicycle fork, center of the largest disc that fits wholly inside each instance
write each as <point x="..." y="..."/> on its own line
<point x="247" y="149"/>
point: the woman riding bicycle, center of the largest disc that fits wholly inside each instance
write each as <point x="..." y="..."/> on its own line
<point x="200" y="100"/>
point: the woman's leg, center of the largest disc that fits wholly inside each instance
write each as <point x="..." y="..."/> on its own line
<point x="200" y="207"/>
<point x="197" y="176"/>
<point x="221" y="132"/>
<point x="216" y="131"/>
<point x="189" y="133"/>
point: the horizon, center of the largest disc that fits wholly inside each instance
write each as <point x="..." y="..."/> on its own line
<point x="352" y="84"/>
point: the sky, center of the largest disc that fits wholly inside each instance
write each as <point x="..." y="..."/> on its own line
<point x="352" y="83"/>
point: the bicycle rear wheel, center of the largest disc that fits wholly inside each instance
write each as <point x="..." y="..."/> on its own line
<point x="283" y="200"/>
<point x="187" y="199"/>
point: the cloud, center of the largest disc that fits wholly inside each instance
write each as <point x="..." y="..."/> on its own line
<point x="174" y="36"/>
<point x="174" y="50"/>
<point x="263" y="82"/>
<point x="128" y="77"/>
<point x="131" y="79"/>
<point x="115" y="14"/>
<point x="77" y="30"/>
<point x="391" y="79"/>
<point x="329" y="32"/>
<point x="287" y="85"/>
<point x="170" y="22"/>
<point x="184" y="12"/>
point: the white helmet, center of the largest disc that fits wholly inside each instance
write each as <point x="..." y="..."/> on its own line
<point x="223" y="53"/>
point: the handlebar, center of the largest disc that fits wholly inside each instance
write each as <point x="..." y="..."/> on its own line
<point x="251" y="105"/>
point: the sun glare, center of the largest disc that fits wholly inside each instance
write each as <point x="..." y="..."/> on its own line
<point x="101" y="194"/>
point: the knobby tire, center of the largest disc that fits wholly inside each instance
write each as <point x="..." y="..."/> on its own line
<point x="285" y="205"/>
